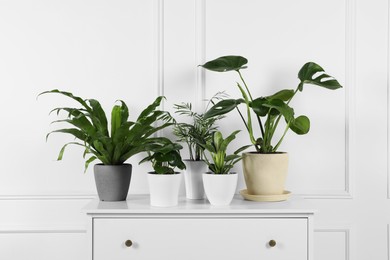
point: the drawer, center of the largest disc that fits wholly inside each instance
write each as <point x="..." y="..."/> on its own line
<point x="203" y="238"/>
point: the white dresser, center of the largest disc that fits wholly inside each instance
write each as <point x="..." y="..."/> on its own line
<point x="196" y="230"/>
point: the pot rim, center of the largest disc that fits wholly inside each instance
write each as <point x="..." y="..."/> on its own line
<point x="113" y="165"/>
<point x="275" y="153"/>
<point x="214" y="174"/>
<point x="166" y="174"/>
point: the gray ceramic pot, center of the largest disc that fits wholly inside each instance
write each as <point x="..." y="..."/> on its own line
<point x="112" y="181"/>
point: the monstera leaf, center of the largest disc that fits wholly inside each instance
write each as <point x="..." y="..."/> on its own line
<point x="311" y="69"/>
<point x="222" y="107"/>
<point x="226" y="63"/>
<point x="300" y="125"/>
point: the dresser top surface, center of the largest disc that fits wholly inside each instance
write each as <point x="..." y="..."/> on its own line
<point x="139" y="204"/>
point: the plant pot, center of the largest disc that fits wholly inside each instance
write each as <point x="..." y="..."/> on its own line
<point x="265" y="174"/>
<point x="193" y="179"/>
<point x="112" y="181"/>
<point x="220" y="188"/>
<point x="164" y="189"/>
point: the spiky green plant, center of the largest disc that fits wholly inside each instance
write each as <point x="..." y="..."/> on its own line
<point x="165" y="157"/>
<point x="125" y="138"/>
<point x="217" y="148"/>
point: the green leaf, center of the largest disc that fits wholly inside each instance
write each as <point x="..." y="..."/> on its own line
<point x="73" y="131"/>
<point x="91" y="159"/>
<point x="226" y="63"/>
<point x="309" y="70"/>
<point x="300" y="125"/>
<point x="228" y="140"/>
<point x="70" y="95"/>
<point x="285" y="95"/>
<point x="98" y="116"/>
<point x="258" y="107"/>
<point x="243" y="148"/>
<point x="283" y="108"/>
<point x="116" y="119"/>
<point x="151" y="108"/>
<point x="222" y="107"/>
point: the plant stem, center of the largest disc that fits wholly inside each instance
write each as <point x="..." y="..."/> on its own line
<point x="278" y="119"/>
<point x="243" y="119"/>
<point x="281" y="139"/>
<point x="250" y="96"/>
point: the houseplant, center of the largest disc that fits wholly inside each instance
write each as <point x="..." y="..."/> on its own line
<point x="114" y="146"/>
<point x="164" y="181"/>
<point x="197" y="130"/>
<point x="268" y="112"/>
<point x="220" y="183"/>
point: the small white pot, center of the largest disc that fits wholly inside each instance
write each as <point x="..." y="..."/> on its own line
<point x="164" y="189"/>
<point x="193" y="179"/>
<point x="220" y="188"/>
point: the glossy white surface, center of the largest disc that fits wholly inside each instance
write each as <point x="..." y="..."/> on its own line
<point x="140" y="204"/>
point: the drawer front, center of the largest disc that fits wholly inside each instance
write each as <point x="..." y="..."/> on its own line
<point x="194" y="239"/>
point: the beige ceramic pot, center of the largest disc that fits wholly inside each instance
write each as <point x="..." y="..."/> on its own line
<point x="265" y="174"/>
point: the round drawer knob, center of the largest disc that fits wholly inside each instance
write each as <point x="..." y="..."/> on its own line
<point x="272" y="243"/>
<point x="128" y="243"/>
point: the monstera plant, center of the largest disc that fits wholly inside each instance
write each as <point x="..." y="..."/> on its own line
<point x="267" y="112"/>
<point x="111" y="144"/>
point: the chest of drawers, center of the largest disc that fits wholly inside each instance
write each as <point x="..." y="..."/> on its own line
<point x="197" y="230"/>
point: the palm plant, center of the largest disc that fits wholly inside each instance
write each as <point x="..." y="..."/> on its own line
<point x="199" y="130"/>
<point x="221" y="163"/>
<point x="112" y="146"/>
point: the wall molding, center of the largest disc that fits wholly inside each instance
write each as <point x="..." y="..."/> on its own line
<point x="49" y="197"/>
<point x="43" y="230"/>
<point x="388" y="241"/>
<point x="347" y="234"/>
<point x="350" y="95"/>
<point x="200" y="53"/>
<point x="388" y="100"/>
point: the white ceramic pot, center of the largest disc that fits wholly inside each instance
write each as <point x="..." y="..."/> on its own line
<point x="193" y="179"/>
<point x="265" y="174"/>
<point x="220" y="188"/>
<point x="164" y="189"/>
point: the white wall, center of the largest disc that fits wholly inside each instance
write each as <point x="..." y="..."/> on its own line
<point x="136" y="50"/>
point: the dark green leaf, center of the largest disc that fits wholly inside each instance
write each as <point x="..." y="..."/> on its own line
<point x="311" y="69"/>
<point x="222" y="107"/>
<point x="258" y="107"/>
<point x="68" y="94"/>
<point x="98" y="116"/>
<point x="226" y="63"/>
<point x="283" y="108"/>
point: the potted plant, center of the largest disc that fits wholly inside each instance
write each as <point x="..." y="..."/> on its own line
<point x="220" y="183"/>
<point x="265" y="169"/>
<point x="164" y="181"/>
<point x="197" y="131"/>
<point x="114" y="146"/>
